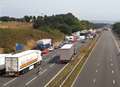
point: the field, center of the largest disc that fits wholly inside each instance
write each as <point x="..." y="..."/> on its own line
<point x="25" y="34"/>
<point x="15" y="25"/>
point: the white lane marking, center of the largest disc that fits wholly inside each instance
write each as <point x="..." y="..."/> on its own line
<point x="94" y="80"/>
<point x="30" y="81"/>
<point x="112" y="72"/>
<point x="85" y="62"/>
<point x="111" y="60"/>
<point x="9" y="82"/>
<point x="111" y="64"/>
<point x="113" y="82"/>
<point x="71" y="71"/>
<point x="40" y="73"/>
<point x="98" y="64"/>
<point x="52" y="65"/>
<point x="116" y="43"/>
<point x="96" y="71"/>
<point x="56" y="75"/>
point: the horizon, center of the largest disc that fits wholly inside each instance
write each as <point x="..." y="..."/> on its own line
<point x="99" y="10"/>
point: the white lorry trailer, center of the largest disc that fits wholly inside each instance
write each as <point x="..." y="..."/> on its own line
<point x="21" y="62"/>
<point x="2" y="62"/>
<point x="66" y="52"/>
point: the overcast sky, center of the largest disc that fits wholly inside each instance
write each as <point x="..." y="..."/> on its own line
<point x="83" y="9"/>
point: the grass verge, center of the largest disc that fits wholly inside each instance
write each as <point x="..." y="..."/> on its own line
<point x="58" y="80"/>
<point x="69" y="81"/>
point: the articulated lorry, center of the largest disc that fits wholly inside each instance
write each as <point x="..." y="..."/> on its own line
<point x="22" y="62"/>
<point x="66" y="52"/>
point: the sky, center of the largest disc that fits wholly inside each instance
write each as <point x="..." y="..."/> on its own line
<point x="83" y="9"/>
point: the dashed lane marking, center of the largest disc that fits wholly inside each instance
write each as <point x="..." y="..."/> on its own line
<point x="94" y="80"/>
<point x="113" y="82"/>
<point x="30" y="81"/>
<point x="40" y="73"/>
<point x="111" y="60"/>
<point x="111" y="64"/>
<point x="113" y="72"/>
<point x="9" y="82"/>
<point x="98" y="64"/>
<point x="52" y="65"/>
<point x="96" y="71"/>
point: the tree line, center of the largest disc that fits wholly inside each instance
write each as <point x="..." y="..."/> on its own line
<point x="66" y="23"/>
<point x="116" y="28"/>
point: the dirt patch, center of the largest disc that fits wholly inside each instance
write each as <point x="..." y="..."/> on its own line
<point x="1" y="50"/>
<point x="15" y="25"/>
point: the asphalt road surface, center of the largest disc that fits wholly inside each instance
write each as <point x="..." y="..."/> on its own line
<point x="39" y="76"/>
<point x="102" y="68"/>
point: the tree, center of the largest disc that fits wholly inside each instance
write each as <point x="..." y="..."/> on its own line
<point x="116" y="27"/>
<point x="66" y="23"/>
<point x="27" y="18"/>
<point x="4" y="18"/>
<point x="85" y="24"/>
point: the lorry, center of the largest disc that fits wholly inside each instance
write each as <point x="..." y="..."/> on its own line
<point x="2" y="62"/>
<point x="71" y="38"/>
<point x="20" y="63"/>
<point x="45" y="45"/>
<point x="66" y="52"/>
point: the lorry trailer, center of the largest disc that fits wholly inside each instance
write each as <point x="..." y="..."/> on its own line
<point x="66" y="52"/>
<point x="22" y="62"/>
<point x="2" y="62"/>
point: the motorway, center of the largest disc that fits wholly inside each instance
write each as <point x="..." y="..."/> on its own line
<point x="102" y="69"/>
<point x="39" y="76"/>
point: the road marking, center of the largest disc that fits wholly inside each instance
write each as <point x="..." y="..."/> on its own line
<point x="71" y="71"/>
<point x="98" y="64"/>
<point x="9" y="82"/>
<point x="40" y="73"/>
<point x="56" y="74"/>
<point x="116" y="43"/>
<point x="86" y="61"/>
<point x="111" y="60"/>
<point x="52" y="65"/>
<point x="96" y="71"/>
<point x="94" y="80"/>
<point x="30" y="81"/>
<point x="113" y="82"/>
<point x="112" y="72"/>
<point x="111" y="64"/>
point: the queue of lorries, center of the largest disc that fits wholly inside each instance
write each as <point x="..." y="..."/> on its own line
<point x="19" y="63"/>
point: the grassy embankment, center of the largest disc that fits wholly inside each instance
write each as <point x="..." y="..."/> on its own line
<point x="12" y="33"/>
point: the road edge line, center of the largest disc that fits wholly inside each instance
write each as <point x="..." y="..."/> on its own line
<point x="115" y="41"/>
<point x="56" y="75"/>
<point x="72" y="70"/>
<point x="86" y="61"/>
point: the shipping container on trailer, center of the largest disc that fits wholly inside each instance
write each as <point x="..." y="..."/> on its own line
<point x="22" y="62"/>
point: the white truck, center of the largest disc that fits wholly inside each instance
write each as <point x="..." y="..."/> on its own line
<point x="66" y="52"/>
<point x="21" y="62"/>
<point x="69" y="38"/>
<point x="45" y="44"/>
<point x="2" y="62"/>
